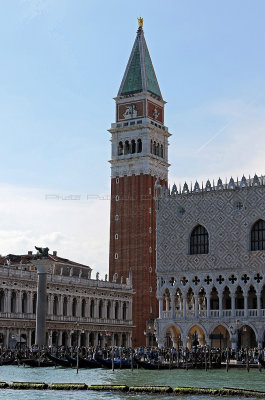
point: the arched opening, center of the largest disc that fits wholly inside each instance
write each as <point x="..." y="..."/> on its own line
<point x="116" y="310"/>
<point x="220" y="338"/>
<point x="24" y="303"/>
<point x="154" y="148"/>
<point x="172" y="337"/>
<point x="133" y="144"/>
<point x="190" y="302"/>
<point x="258" y="236"/>
<point x="226" y="299"/>
<point x="33" y="337"/>
<point x="246" y="337"/>
<point x="196" y="337"/>
<point x="108" y="309"/>
<point x="34" y="304"/>
<point x="202" y="302"/>
<point x="178" y="300"/>
<point x="55" y="338"/>
<point x="199" y="240"/>
<point x="262" y="298"/>
<point x="124" y="312"/>
<point x="92" y="309"/>
<point x="116" y="340"/>
<point x="239" y="299"/>
<point x="161" y="151"/>
<point x="74" y="338"/>
<point x="139" y="146"/>
<point x="13" y="302"/>
<point x="83" y="339"/>
<point x="166" y="303"/>
<point x="151" y="147"/>
<point x="2" y="300"/>
<point x="64" y="339"/>
<point x="214" y="299"/>
<point x="252" y="299"/>
<point x="120" y="149"/>
<point x="123" y="340"/>
<point x="91" y="339"/>
<point x="100" y="307"/>
<point x="55" y="305"/>
<point x="74" y="307"/>
<point x="65" y="306"/>
<point x="127" y="147"/>
<point x="83" y="308"/>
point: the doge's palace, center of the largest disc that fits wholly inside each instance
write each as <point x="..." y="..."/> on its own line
<point x="210" y="264"/>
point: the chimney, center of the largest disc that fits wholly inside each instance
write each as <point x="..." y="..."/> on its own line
<point x="54" y="253"/>
<point x="29" y="253"/>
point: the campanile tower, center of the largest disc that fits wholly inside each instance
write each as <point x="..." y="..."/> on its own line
<point x="139" y="156"/>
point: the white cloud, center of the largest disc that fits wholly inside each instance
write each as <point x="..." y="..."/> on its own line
<point x="236" y="147"/>
<point x="77" y="229"/>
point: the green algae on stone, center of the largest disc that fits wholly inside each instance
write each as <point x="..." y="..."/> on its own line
<point x="108" y="388"/>
<point x="28" y="385"/>
<point x="151" y="389"/>
<point x="67" y="386"/>
<point x="3" y="385"/>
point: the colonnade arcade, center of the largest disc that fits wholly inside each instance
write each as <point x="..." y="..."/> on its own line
<point x="216" y="335"/>
<point x="23" y="302"/>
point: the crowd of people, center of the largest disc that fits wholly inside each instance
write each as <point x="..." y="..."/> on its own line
<point x="195" y="355"/>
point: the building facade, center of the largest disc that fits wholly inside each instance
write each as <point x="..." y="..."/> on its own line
<point x="211" y="264"/>
<point x="80" y="310"/>
<point x="139" y="155"/>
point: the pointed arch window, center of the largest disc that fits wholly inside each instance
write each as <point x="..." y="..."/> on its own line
<point x="120" y="149"/>
<point x="258" y="235"/>
<point x="199" y="240"/>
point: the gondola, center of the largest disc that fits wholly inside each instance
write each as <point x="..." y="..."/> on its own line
<point x="124" y="364"/>
<point x="7" y="361"/>
<point x="63" y="362"/>
<point x="154" y="365"/>
<point x="83" y="362"/>
<point x="262" y="362"/>
<point x="31" y="362"/>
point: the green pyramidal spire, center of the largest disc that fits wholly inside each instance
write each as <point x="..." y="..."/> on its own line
<point x="139" y="74"/>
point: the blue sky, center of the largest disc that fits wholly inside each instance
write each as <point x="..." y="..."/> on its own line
<point x="62" y="62"/>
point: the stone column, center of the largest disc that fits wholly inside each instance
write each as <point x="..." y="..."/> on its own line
<point x="69" y="306"/>
<point x="30" y="303"/>
<point x="19" y="302"/>
<point x="258" y="294"/>
<point x="196" y="305"/>
<point x="160" y="300"/>
<point x="173" y="311"/>
<point x="184" y="305"/>
<point x="167" y="303"/>
<point x="9" y="294"/>
<point x="6" y="341"/>
<point x="208" y="297"/>
<point x="60" y="336"/>
<point x="42" y="269"/>
<point x="233" y="303"/>
<point x="220" y="295"/>
<point x="245" y="304"/>
<point x="29" y="332"/>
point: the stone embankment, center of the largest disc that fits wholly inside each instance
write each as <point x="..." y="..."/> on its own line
<point x="178" y="391"/>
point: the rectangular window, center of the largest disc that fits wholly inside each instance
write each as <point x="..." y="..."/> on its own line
<point x="116" y="236"/>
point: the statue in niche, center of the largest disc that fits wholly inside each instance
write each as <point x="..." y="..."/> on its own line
<point x="89" y="275"/>
<point x="80" y="273"/>
<point x="106" y="277"/>
<point x="97" y="276"/>
<point x="71" y="271"/>
<point x="61" y="271"/>
<point x="130" y="112"/>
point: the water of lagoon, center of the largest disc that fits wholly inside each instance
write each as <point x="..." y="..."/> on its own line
<point x="238" y="378"/>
